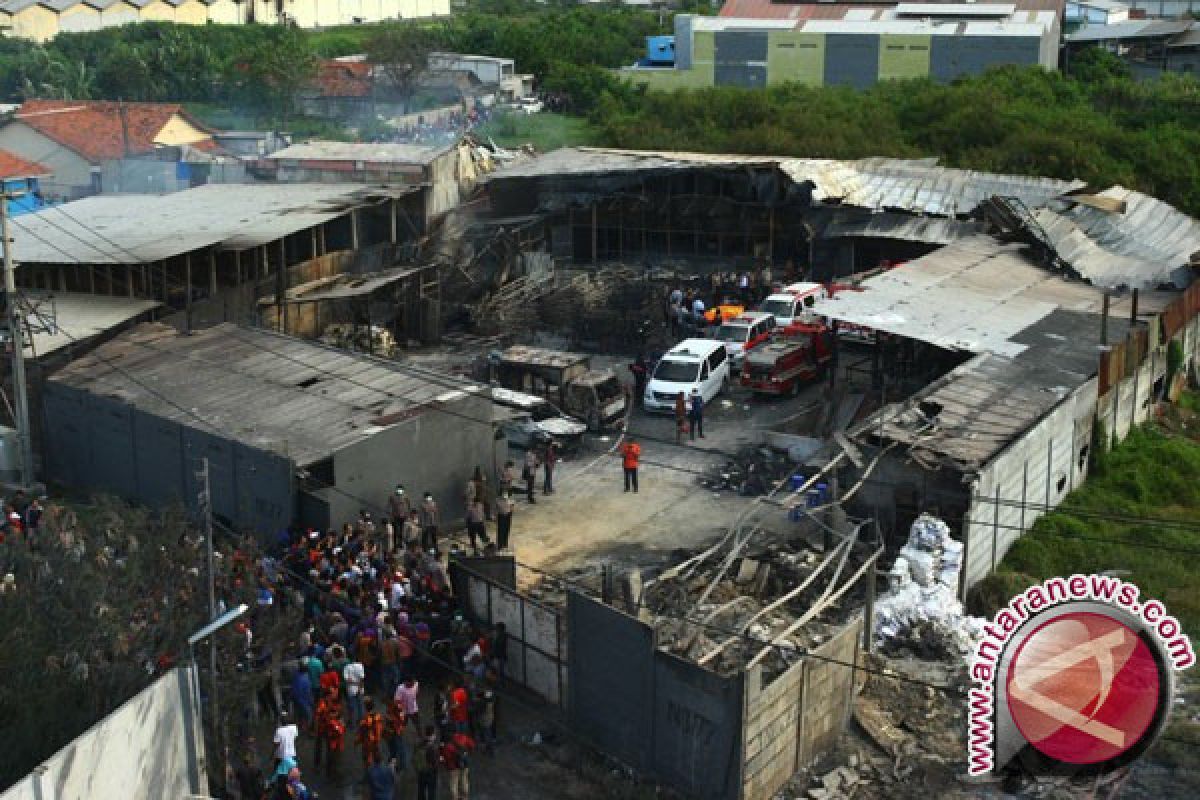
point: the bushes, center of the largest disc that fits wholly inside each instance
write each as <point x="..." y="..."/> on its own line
<point x="1100" y="127"/>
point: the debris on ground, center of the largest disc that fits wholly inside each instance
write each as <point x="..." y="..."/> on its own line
<point x="759" y="594"/>
<point x="921" y="613"/>
<point x="753" y="471"/>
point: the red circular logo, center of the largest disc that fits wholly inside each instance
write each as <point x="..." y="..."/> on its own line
<point x="1083" y="688"/>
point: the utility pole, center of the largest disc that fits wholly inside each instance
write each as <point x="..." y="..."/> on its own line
<point x="205" y="498"/>
<point x="16" y="330"/>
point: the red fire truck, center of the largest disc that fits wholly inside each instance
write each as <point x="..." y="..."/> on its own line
<point x="796" y="353"/>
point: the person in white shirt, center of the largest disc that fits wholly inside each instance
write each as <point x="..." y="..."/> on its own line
<point x="354" y="676"/>
<point x="285" y="738"/>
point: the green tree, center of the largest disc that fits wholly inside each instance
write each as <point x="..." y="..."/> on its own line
<point x="268" y="73"/>
<point x="401" y="52"/>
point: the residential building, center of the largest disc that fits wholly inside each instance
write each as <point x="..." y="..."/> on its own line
<point x="756" y="43"/>
<point x="488" y="74"/>
<point x="20" y="181"/>
<point x="75" y="140"/>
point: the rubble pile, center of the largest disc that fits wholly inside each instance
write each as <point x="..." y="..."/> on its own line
<point x="752" y="472"/>
<point x="736" y="603"/>
<point x="921" y="612"/>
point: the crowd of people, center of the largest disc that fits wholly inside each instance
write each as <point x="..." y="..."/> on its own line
<point x="387" y="682"/>
<point x="442" y="127"/>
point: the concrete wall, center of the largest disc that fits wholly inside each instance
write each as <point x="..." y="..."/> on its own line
<point x="145" y="176"/>
<point x="828" y="696"/>
<point x="151" y="747"/>
<point x="697" y="728"/>
<point x="902" y="56"/>
<point x="435" y="451"/>
<point x="662" y="715"/>
<point x="612" y="679"/>
<point x="798" y="715"/>
<point x="100" y="443"/>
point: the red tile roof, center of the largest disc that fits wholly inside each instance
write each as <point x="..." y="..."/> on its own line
<point x="101" y="130"/>
<point x="13" y="166"/>
<point x="344" y="78"/>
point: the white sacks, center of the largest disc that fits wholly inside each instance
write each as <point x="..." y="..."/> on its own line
<point x="923" y="593"/>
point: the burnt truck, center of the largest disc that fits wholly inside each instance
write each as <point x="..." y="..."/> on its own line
<point x="795" y="354"/>
<point x="594" y="396"/>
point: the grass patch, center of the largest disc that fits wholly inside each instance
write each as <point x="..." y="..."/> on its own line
<point x="1153" y="473"/>
<point x="545" y="131"/>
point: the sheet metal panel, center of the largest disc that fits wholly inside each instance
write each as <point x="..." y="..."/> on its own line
<point x="851" y="59"/>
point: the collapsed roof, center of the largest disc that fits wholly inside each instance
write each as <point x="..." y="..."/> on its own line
<point x="1115" y="238"/>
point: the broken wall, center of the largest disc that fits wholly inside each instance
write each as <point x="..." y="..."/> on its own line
<point x="800" y="714"/>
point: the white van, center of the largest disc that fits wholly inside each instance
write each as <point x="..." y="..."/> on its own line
<point x="701" y="364"/>
<point x="792" y="303"/>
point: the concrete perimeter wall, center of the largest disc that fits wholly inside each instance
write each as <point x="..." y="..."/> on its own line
<point x="799" y="714"/>
<point x="152" y="747"/>
<point x="662" y="715"/>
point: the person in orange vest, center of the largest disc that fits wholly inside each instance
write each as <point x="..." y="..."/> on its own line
<point x="631" y="451"/>
<point x="370" y="733"/>
<point x="331" y="732"/>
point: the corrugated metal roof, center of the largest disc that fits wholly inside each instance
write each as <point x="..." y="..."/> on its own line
<point x="1134" y="29"/>
<point x="382" y="153"/>
<point x="914" y="185"/>
<point x="247" y="383"/>
<point x="1151" y="244"/>
<point x="891" y="225"/>
<point x="976" y="295"/>
<point x="142" y="228"/>
<point x="79" y="317"/>
<point x="339" y="287"/>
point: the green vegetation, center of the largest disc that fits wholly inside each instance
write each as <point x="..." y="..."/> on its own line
<point x="545" y="131"/>
<point x="1153" y="474"/>
<point x="1098" y="125"/>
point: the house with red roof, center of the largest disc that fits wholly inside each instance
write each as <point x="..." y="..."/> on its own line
<point x="75" y="140"/>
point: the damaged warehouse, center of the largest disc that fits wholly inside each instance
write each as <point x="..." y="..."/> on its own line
<point x="695" y="211"/>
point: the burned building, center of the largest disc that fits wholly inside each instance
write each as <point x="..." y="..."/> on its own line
<point x="826" y="218"/>
<point x="1063" y="320"/>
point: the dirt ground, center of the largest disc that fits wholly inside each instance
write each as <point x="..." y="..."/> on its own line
<point x="590" y="517"/>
